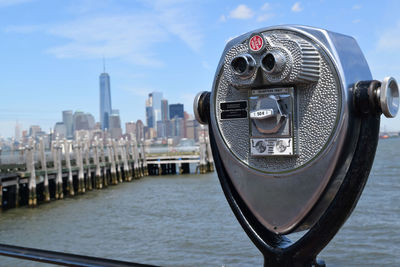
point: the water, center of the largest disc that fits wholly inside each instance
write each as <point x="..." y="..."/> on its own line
<point x="186" y="221"/>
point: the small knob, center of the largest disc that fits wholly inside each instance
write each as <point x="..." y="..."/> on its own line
<point x="201" y="107"/>
<point x="388" y="97"/>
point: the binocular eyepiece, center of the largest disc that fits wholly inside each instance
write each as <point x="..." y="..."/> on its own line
<point x="293" y="118"/>
<point x="244" y="65"/>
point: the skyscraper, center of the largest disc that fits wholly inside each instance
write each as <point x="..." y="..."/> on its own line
<point x="17" y="131"/>
<point x="164" y="110"/>
<point x="149" y="112"/>
<point x="153" y="109"/>
<point x="105" y="100"/>
<point x="80" y="121"/>
<point x="176" y="110"/>
<point x="157" y="96"/>
<point x="115" y="124"/>
<point x="68" y="122"/>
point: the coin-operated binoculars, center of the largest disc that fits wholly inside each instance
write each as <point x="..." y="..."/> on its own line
<point x="294" y="119"/>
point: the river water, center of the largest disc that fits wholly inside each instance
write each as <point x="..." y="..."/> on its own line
<point x="186" y="221"/>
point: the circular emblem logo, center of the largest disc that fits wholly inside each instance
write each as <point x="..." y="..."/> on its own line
<point x="256" y="43"/>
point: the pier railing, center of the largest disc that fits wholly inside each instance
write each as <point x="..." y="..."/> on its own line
<point x="32" y="174"/>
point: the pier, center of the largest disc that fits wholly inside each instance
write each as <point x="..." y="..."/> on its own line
<point x="32" y="175"/>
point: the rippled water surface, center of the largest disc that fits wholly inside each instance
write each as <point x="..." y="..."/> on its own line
<point x="186" y="221"/>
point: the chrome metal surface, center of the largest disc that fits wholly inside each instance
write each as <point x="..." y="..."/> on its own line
<point x="273" y="62"/>
<point x="196" y="104"/>
<point x="243" y="65"/>
<point x="304" y="187"/>
<point x="389" y="97"/>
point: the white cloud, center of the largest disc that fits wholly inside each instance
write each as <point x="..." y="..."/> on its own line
<point x="241" y="12"/>
<point x="297" y="7"/>
<point x="180" y="23"/>
<point x="128" y="37"/>
<point x="4" y="3"/>
<point x="132" y="37"/>
<point x="222" y="18"/>
<point x="266" y="7"/>
<point x="357" y="7"/>
<point x="355" y="21"/>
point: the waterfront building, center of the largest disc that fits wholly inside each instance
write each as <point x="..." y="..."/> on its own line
<point x="191" y="129"/>
<point x="164" y="110"/>
<point x="115" y="125"/>
<point x="80" y="121"/>
<point x="157" y="96"/>
<point x="17" y="135"/>
<point x="105" y="100"/>
<point x="67" y="118"/>
<point x="60" y="130"/>
<point x="34" y="130"/>
<point x="176" y="110"/>
<point x="130" y="128"/>
<point x="176" y="128"/>
<point x="149" y="112"/>
<point x="153" y="109"/>
<point x="139" y="130"/>
<point x="161" y="129"/>
<point x="91" y="121"/>
<point x="150" y="133"/>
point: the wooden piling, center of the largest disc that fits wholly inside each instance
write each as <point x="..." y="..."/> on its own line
<point x="58" y="162"/>
<point x="70" y="182"/>
<point x="87" y="163"/>
<point x="44" y="168"/>
<point x="79" y="163"/>
<point x="111" y="158"/>
<point x="30" y="167"/>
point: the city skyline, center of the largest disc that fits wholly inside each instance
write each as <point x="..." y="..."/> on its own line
<point x="53" y="51"/>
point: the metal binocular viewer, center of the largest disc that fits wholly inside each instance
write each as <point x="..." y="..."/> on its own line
<point x="294" y="120"/>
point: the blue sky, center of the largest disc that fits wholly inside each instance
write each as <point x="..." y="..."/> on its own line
<point x="51" y="51"/>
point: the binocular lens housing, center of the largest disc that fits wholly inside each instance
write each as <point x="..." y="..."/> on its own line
<point x="273" y="62"/>
<point x="243" y="65"/>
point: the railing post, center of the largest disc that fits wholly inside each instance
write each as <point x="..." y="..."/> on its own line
<point x="145" y="168"/>
<point x="44" y="168"/>
<point x="79" y="163"/>
<point x="97" y="178"/>
<point x="30" y="166"/>
<point x="104" y="163"/>
<point x="59" y="181"/>
<point x="87" y="162"/>
<point x="70" y="183"/>
<point x="138" y="173"/>
<point x="124" y="155"/>
<point x="111" y="158"/>
<point x="203" y="150"/>
<point x="117" y="161"/>
<point x="210" y="159"/>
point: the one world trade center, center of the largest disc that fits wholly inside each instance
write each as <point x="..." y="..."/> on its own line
<point x="105" y="100"/>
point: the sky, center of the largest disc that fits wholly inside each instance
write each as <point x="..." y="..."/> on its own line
<point x="51" y="52"/>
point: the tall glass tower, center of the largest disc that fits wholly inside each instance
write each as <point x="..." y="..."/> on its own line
<point x="69" y="123"/>
<point x="105" y="100"/>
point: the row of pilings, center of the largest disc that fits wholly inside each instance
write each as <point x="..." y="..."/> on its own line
<point x="70" y="168"/>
